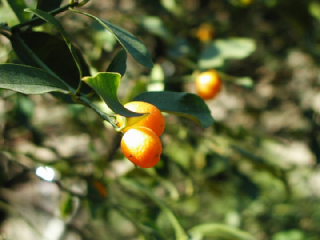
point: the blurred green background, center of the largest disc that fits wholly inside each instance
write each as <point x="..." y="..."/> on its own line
<point x="255" y="169"/>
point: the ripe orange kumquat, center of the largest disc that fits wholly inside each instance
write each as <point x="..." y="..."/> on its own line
<point x="155" y="120"/>
<point x="208" y="84"/>
<point x="141" y="146"/>
<point x="205" y="32"/>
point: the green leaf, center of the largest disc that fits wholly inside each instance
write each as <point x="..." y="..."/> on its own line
<point x="156" y="26"/>
<point x="103" y="39"/>
<point x="314" y="10"/>
<point x="106" y="85"/>
<point x="48" y="6"/>
<point x="119" y="64"/>
<point x="180" y="233"/>
<point x="172" y="6"/>
<point x="55" y="23"/>
<point x="236" y="48"/>
<point x="156" y="79"/>
<point x="180" y="103"/>
<point x="66" y="206"/>
<point x="293" y="234"/>
<point x="214" y="55"/>
<point x="220" y="231"/>
<point x="29" y="80"/>
<point x="17" y="6"/>
<point x="180" y="48"/>
<point x="247" y="186"/>
<point x="129" y="42"/>
<point x="53" y="52"/>
<point x="24" y="109"/>
<point x="244" y="81"/>
<point x="210" y="57"/>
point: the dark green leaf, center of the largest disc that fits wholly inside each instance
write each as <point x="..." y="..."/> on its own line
<point x="119" y="64"/>
<point x="246" y="185"/>
<point x="54" y="22"/>
<point x="48" y="6"/>
<point x="18" y="6"/>
<point x="129" y="42"/>
<point x="53" y="52"/>
<point x="29" y="80"/>
<point x="179" y="103"/>
<point x="106" y="85"/>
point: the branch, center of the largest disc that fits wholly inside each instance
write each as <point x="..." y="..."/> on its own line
<point x="38" y="21"/>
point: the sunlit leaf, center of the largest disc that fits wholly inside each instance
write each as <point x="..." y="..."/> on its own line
<point x="180" y="103"/>
<point x="155" y="26"/>
<point x="219" y="231"/>
<point x="156" y="82"/>
<point x="236" y="48"/>
<point x="172" y="6"/>
<point x="129" y="42"/>
<point x="314" y="9"/>
<point x="17" y="6"/>
<point x="29" y="80"/>
<point x="293" y="234"/>
<point x="244" y="81"/>
<point x="106" y="85"/>
<point x="214" y="54"/>
<point x="66" y="206"/>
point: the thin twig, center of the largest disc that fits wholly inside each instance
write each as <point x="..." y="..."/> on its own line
<point x="37" y="21"/>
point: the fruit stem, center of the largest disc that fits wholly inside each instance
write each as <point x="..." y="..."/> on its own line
<point x="85" y="101"/>
<point x="119" y="129"/>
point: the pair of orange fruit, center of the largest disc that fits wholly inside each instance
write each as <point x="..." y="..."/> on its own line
<point x="141" y="143"/>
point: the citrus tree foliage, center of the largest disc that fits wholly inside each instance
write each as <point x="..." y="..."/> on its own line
<point x="214" y="180"/>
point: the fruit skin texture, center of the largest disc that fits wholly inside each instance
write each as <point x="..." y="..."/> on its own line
<point x="155" y="120"/>
<point x="141" y="146"/>
<point x="208" y="84"/>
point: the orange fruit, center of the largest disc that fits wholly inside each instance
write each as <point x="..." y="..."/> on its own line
<point x="205" y="32"/>
<point x="208" y="84"/>
<point x="154" y="120"/>
<point x="141" y="146"/>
